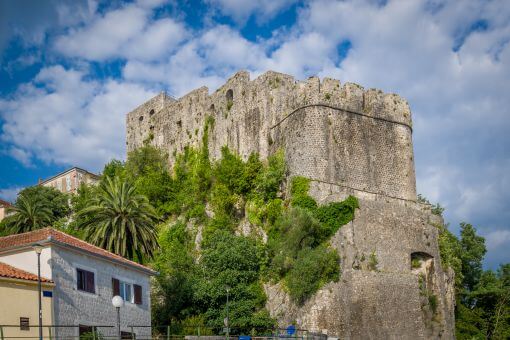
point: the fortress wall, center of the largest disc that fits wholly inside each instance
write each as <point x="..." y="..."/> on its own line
<point x="333" y="133"/>
<point x="335" y="146"/>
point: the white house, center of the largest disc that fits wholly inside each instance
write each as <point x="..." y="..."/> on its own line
<point x="85" y="279"/>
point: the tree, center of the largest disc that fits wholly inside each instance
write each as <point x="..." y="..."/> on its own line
<point x="232" y="261"/>
<point x="473" y="251"/>
<point x="29" y="214"/>
<point x="114" y="168"/>
<point x="121" y="221"/>
<point x="54" y="199"/>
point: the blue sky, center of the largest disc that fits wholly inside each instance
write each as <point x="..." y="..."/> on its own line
<point x="70" y="70"/>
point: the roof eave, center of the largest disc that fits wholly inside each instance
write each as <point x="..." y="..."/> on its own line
<point x="52" y="241"/>
<point x="26" y="281"/>
<point x="109" y="259"/>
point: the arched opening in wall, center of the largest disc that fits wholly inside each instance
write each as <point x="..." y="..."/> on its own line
<point x="179" y="124"/>
<point x="140" y="118"/>
<point x="211" y="108"/>
<point x="422" y="263"/>
<point x="230" y="99"/>
<point x="230" y="95"/>
<point x="151" y="112"/>
<point x="151" y="127"/>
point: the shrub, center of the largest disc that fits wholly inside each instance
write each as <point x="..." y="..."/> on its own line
<point x="269" y="180"/>
<point x="336" y="214"/>
<point x="313" y="269"/>
<point x="433" y="303"/>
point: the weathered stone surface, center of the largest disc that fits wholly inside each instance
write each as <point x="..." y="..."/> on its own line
<point x="334" y="134"/>
<point x="348" y="141"/>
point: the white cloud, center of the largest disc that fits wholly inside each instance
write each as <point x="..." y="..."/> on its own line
<point x="21" y="155"/>
<point x="68" y="119"/>
<point x="127" y="32"/>
<point x="241" y="10"/>
<point x="30" y="26"/>
<point x="205" y="60"/>
<point x="497" y="238"/>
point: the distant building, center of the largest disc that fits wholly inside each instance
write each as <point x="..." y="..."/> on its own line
<point x="69" y="181"/>
<point x="83" y="277"/>
<point x="4" y="205"/>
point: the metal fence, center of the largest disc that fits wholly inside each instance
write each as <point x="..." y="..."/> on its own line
<point x="163" y="332"/>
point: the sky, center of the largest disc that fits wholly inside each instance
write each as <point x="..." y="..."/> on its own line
<point x="71" y="70"/>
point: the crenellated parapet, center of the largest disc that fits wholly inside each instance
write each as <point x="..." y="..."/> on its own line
<point x="338" y="134"/>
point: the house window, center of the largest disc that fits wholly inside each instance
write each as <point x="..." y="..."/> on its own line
<point x="24" y="324"/>
<point x="126" y="291"/>
<point x="85" y="281"/>
<point x="129" y="292"/>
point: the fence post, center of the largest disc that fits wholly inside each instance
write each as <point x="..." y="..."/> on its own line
<point x="49" y="333"/>
<point x="168" y="332"/>
<point x="1" y="333"/>
<point x="132" y="333"/>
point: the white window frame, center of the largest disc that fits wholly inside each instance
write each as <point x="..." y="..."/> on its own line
<point x="124" y="284"/>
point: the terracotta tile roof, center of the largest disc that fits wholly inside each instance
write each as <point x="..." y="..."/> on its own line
<point x="5" y="203"/>
<point x="16" y="273"/>
<point x="52" y="235"/>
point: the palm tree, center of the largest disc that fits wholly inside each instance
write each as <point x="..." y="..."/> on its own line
<point x="120" y="221"/>
<point x="29" y="214"/>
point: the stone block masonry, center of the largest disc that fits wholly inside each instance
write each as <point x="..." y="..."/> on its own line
<point x="347" y="141"/>
<point x="361" y="139"/>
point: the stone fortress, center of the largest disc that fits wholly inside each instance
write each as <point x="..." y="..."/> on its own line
<point x="347" y="141"/>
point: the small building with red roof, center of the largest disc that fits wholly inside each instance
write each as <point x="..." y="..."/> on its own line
<point x="19" y="303"/>
<point x="84" y="278"/>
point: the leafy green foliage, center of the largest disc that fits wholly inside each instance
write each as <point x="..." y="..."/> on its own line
<point x="415" y="263"/>
<point x="336" y="214"/>
<point x="268" y="182"/>
<point x="173" y="298"/>
<point x="332" y="215"/>
<point x="436" y="209"/>
<point x="373" y="261"/>
<point x="295" y="242"/>
<point x="115" y="168"/>
<point x="29" y="214"/>
<point x="473" y="251"/>
<point x="119" y="220"/>
<point x="232" y="262"/>
<point x="433" y="303"/>
<point x="450" y="251"/>
<point x="37" y="207"/>
<point x="483" y="297"/>
<point x="313" y="268"/>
